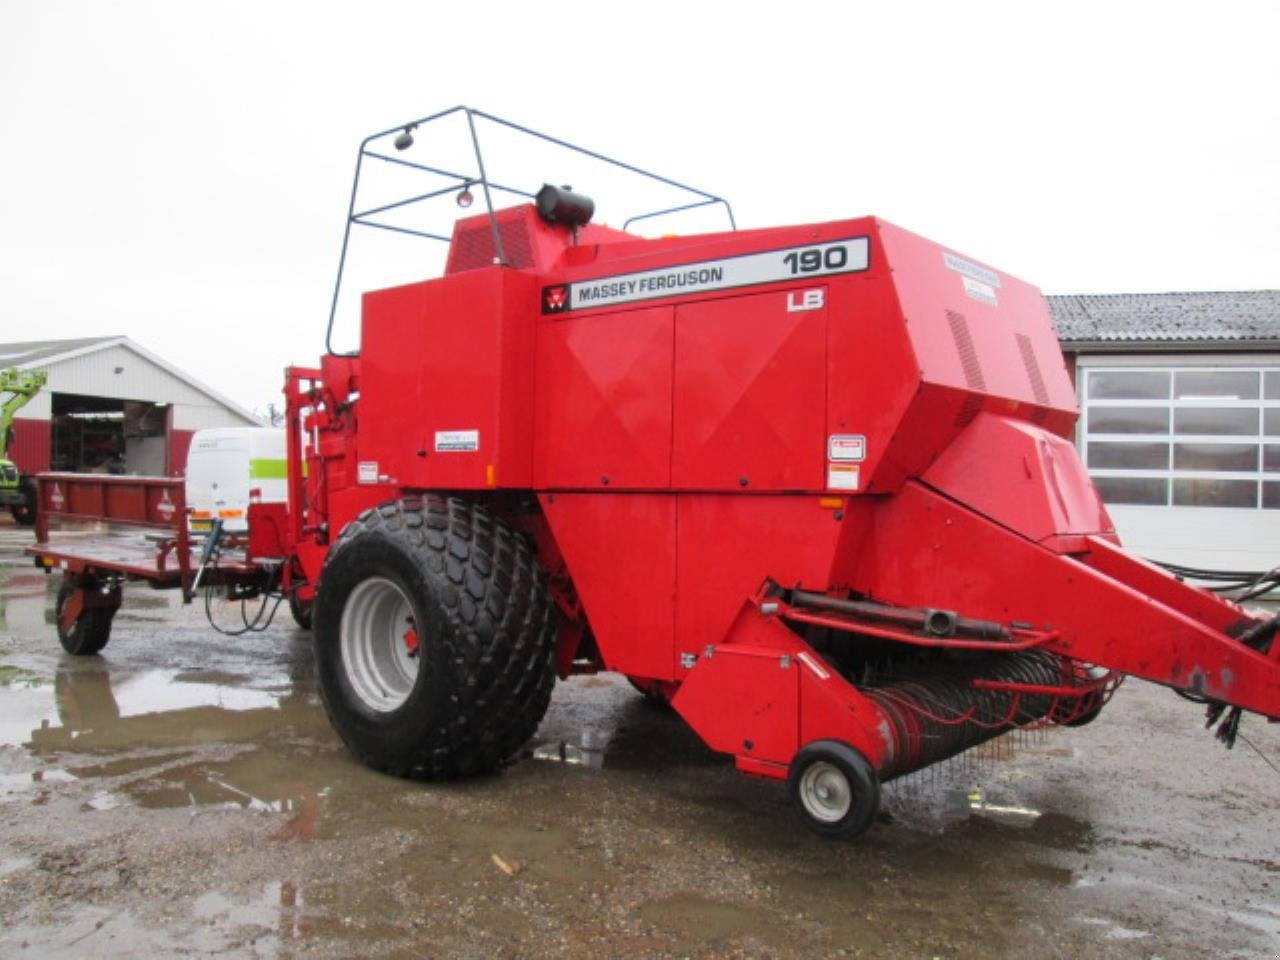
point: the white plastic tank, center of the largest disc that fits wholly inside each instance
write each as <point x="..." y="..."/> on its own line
<point x="224" y="465"/>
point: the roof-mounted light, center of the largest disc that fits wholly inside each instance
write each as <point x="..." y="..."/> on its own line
<point x="562" y="206"/>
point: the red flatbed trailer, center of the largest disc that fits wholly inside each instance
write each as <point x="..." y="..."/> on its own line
<point x="812" y="485"/>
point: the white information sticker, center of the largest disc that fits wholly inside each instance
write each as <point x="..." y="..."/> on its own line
<point x="980" y="291"/>
<point x="457" y="441"/>
<point x="367" y="472"/>
<point x="847" y="447"/>
<point x="842" y="476"/>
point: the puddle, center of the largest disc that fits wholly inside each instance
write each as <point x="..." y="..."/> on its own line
<point x="10" y="865"/>
<point x="280" y="911"/>
<point x="84" y="707"/>
<point x="117" y="935"/>
<point x="697" y="921"/>
<point x="1114" y="931"/>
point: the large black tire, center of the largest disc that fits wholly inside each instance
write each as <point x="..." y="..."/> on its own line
<point x="834" y="789"/>
<point x="444" y="577"/>
<point x="25" y="513"/>
<point x="92" y="629"/>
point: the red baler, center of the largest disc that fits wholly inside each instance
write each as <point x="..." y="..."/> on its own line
<point x="812" y="485"/>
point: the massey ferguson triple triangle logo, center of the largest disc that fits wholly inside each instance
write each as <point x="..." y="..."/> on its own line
<point x="555" y="299"/>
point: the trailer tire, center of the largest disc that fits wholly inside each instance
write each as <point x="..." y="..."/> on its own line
<point x="834" y="789"/>
<point x="92" y="628"/>
<point x="444" y="578"/>
<point x="24" y="513"/>
<point x="301" y="611"/>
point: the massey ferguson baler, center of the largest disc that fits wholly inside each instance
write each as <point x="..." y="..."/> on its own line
<point x="811" y="485"/>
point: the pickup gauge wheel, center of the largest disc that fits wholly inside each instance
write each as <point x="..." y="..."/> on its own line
<point x="834" y="789"/>
<point x="434" y="639"/>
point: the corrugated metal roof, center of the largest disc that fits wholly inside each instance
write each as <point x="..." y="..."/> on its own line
<point x="30" y="352"/>
<point x="1235" y="319"/>
<point x="47" y="353"/>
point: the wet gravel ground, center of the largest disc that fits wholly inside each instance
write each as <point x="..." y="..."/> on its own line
<point x="183" y="795"/>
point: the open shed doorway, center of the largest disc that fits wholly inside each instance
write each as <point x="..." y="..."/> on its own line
<point x="106" y="435"/>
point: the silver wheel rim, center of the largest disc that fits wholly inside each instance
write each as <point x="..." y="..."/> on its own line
<point x="375" y="653"/>
<point x="825" y="792"/>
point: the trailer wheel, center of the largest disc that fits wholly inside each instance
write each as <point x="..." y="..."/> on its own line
<point x="301" y="611"/>
<point x="92" y="629"/>
<point x="834" y="789"/>
<point x="434" y="639"/>
<point x="24" y="513"/>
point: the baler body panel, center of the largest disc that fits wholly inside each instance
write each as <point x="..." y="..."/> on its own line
<point x="449" y="403"/>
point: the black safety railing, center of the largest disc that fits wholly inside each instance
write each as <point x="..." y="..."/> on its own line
<point x="462" y="181"/>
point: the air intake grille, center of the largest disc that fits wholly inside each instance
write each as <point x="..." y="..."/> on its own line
<point x="973" y="377"/>
<point x="1028" y="352"/>
<point x="473" y="246"/>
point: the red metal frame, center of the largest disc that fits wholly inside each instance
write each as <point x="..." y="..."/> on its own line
<point x="157" y="504"/>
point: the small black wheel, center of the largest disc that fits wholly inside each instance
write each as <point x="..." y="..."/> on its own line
<point x="434" y="639"/>
<point x="1088" y="712"/>
<point x="92" y="629"/>
<point x="651" y="691"/>
<point x="301" y="610"/>
<point x="834" y="789"/>
<point x="24" y="513"/>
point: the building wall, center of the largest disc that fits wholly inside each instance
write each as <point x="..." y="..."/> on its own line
<point x="94" y="374"/>
<point x="31" y="447"/>
<point x="1181" y="459"/>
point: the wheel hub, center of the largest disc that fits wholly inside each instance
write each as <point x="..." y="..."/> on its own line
<point x="380" y="645"/>
<point x="825" y="792"/>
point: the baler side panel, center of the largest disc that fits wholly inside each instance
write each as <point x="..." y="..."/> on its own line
<point x="450" y="406"/>
<point x="603" y="405"/>
<point x="750" y="393"/>
<point x="728" y="545"/>
<point x="975" y="328"/>
<point x="621" y="550"/>
<point x="872" y="374"/>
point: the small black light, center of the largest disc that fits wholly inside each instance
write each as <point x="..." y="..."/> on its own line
<point x="464" y="197"/>
<point x="405" y="140"/>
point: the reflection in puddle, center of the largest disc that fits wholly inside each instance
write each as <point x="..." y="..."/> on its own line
<point x="140" y="732"/>
<point x="977" y="802"/>
<point x="588" y="753"/>
<point x="83" y="701"/>
<point x="1114" y="931"/>
<point x="160" y="691"/>
<point x="280" y="909"/>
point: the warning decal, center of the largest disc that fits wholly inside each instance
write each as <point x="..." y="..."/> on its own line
<point x="843" y="476"/>
<point x="849" y="447"/>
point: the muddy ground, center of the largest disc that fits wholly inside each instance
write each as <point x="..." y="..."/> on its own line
<point x="183" y="795"/>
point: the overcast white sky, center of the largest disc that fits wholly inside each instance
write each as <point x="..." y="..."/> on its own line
<point x="179" y="172"/>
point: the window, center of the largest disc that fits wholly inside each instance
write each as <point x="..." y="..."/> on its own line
<point x="1193" y="436"/>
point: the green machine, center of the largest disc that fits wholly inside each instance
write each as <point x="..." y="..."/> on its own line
<point x="17" y="492"/>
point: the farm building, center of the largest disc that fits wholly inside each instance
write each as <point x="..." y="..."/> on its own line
<point x="1180" y="427"/>
<point x="111" y="406"/>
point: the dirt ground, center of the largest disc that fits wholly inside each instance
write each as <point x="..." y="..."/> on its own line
<point x="182" y="795"/>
